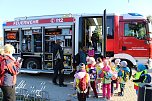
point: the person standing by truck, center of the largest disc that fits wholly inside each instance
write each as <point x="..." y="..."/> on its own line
<point x="58" y="63"/>
<point x="95" y="39"/>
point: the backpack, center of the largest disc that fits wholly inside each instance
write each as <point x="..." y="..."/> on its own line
<point x="101" y="74"/>
<point x="126" y="76"/>
<point x="108" y="75"/>
<point x="91" y="53"/>
<point x="2" y="66"/>
<point x="147" y="78"/>
<point x="93" y="74"/>
<point x="83" y="83"/>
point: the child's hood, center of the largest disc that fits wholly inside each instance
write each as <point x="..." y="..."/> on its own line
<point x="126" y="69"/>
<point x="141" y="67"/>
<point x="80" y="75"/>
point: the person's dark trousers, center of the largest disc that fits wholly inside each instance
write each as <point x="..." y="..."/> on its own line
<point x="93" y="85"/>
<point x="55" y="74"/>
<point x="122" y="85"/>
<point x="81" y="96"/>
<point x="112" y="85"/>
<point x="95" y="46"/>
<point x="61" y="76"/>
<point x="8" y="93"/>
<point x="58" y="68"/>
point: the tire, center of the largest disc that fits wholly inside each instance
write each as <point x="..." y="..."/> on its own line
<point x="31" y="63"/>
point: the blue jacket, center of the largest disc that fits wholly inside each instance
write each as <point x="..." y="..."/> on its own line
<point x="125" y="69"/>
<point x="82" y="57"/>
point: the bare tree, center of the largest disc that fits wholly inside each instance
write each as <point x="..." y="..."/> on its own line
<point x="149" y="18"/>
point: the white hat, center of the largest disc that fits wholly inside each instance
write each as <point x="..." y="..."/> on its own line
<point x="117" y="61"/>
<point x="81" y="65"/>
<point x="123" y="63"/>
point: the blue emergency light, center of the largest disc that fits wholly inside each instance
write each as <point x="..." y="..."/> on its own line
<point x="4" y="24"/>
<point x="135" y="14"/>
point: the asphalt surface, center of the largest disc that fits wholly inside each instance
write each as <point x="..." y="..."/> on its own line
<point x="43" y="82"/>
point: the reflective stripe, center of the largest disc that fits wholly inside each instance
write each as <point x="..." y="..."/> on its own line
<point x="79" y="91"/>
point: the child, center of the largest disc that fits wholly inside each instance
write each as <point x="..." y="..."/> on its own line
<point x="81" y="76"/>
<point x="141" y="69"/>
<point x="115" y="68"/>
<point x="123" y="76"/>
<point x="106" y="87"/>
<point x="99" y="66"/>
<point x="91" y="69"/>
<point x="117" y="64"/>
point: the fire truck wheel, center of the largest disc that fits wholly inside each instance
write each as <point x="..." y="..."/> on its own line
<point x="31" y="63"/>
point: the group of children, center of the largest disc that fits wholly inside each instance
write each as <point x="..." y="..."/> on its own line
<point x="100" y="75"/>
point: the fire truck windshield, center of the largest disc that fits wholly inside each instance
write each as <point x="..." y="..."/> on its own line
<point x="136" y="29"/>
<point x="150" y="30"/>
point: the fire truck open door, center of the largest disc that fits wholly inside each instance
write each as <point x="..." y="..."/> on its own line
<point x="11" y="36"/>
<point x="64" y="33"/>
<point x="104" y="34"/>
<point x="92" y="34"/>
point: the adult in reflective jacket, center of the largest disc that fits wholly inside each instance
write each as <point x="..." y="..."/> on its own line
<point x="141" y="69"/>
<point x="58" y="63"/>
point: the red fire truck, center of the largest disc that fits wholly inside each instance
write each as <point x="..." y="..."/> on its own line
<point x="128" y="37"/>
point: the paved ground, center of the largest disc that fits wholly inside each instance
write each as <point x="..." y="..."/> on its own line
<point x="43" y="82"/>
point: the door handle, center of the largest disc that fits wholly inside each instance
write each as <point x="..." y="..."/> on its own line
<point x="124" y="48"/>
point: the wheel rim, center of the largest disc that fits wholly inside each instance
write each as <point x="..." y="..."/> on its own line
<point x="31" y="65"/>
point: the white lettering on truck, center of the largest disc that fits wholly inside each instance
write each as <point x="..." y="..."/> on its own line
<point x="26" y="22"/>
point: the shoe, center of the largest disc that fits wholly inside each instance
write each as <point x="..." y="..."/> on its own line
<point x="108" y="99"/>
<point x="111" y="94"/>
<point x="88" y="96"/>
<point x="104" y="99"/>
<point x="95" y="96"/>
<point x="55" y="83"/>
<point x="62" y="85"/>
<point x="120" y="94"/>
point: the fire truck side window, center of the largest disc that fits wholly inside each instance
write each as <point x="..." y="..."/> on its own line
<point x="110" y="26"/>
<point x="135" y="29"/>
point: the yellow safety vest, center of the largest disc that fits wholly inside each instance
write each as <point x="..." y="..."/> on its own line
<point x="137" y="76"/>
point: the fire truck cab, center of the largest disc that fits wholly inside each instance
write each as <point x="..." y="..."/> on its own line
<point x="128" y="37"/>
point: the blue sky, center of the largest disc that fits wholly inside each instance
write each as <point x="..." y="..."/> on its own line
<point x="10" y="9"/>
